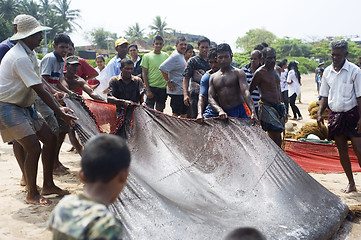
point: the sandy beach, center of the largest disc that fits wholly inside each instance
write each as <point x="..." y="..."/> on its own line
<point x="19" y="220"/>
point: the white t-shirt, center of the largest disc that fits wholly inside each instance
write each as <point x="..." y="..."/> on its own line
<point x="283" y="82"/>
<point x="341" y="88"/>
<point x="19" y="70"/>
<point x="103" y="82"/>
<point x="294" y="86"/>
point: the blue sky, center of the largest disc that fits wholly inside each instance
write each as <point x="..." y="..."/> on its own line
<point x="224" y="20"/>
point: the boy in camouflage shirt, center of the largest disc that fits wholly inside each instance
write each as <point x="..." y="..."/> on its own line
<point x="104" y="170"/>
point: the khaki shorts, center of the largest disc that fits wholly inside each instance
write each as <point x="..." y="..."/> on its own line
<point x="17" y="122"/>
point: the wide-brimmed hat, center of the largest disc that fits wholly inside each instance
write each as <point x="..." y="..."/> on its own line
<point x="121" y="41"/>
<point x="72" y="60"/>
<point x="18" y="17"/>
<point x="27" y="25"/>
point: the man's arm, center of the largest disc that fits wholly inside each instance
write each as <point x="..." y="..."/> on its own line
<point x="242" y="80"/>
<point x="146" y="82"/>
<point x="255" y="81"/>
<point x="89" y="91"/>
<point x="212" y="101"/>
<point x="89" y="71"/>
<point x="321" y="108"/>
<point x="202" y="103"/>
<point x="50" y="101"/>
<point x="186" y="98"/>
<point x="170" y="85"/>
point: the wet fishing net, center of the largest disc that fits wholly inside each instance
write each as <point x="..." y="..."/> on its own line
<point x="201" y="181"/>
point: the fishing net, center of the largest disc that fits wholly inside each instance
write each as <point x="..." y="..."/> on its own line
<point x="201" y="181"/>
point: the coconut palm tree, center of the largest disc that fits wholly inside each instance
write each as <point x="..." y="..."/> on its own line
<point x="9" y="9"/>
<point x="134" y="32"/>
<point x="67" y="15"/>
<point x="30" y="8"/>
<point x="159" y="27"/>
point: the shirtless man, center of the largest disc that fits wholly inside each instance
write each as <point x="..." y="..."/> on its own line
<point x="227" y="85"/>
<point x="75" y="83"/>
<point x="271" y="110"/>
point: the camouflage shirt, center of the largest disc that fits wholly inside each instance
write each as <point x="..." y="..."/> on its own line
<point x="78" y="217"/>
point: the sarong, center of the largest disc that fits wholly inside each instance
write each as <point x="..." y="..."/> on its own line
<point x="271" y="116"/>
<point x="343" y="123"/>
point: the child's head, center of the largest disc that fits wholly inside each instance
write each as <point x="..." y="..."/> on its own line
<point x="105" y="160"/>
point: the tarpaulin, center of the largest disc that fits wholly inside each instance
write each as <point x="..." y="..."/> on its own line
<point x="201" y="181"/>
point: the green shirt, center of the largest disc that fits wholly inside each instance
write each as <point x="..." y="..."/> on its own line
<point x="152" y="61"/>
<point x="78" y="217"/>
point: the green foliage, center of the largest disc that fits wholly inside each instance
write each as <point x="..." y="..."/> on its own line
<point x="40" y="56"/>
<point x="354" y="52"/>
<point x="241" y="58"/>
<point x="134" y="32"/>
<point x="102" y="39"/>
<point x="159" y="27"/>
<point x="305" y="65"/>
<point x="321" y="50"/>
<point x="286" y="47"/>
<point x="6" y="29"/>
<point x="254" y="37"/>
<point x="168" y="49"/>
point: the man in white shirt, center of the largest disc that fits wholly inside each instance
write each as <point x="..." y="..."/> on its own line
<point x="20" y="84"/>
<point x="341" y="91"/>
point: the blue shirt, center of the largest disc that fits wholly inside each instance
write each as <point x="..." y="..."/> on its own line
<point x="113" y="67"/>
<point x="5" y="47"/>
<point x="204" y="85"/>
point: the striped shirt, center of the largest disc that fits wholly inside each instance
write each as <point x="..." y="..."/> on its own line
<point x="249" y="75"/>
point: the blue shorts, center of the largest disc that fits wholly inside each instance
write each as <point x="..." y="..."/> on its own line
<point x="237" y="112"/>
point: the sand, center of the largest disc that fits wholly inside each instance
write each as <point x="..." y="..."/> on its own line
<point x="19" y="220"/>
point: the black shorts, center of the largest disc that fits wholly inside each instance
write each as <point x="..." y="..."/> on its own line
<point x="177" y="104"/>
<point x="159" y="98"/>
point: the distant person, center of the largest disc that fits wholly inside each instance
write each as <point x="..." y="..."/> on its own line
<point x="294" y="88"/>
<point x="102" y="88"/>
<point x="86" y="71"/>
<point x="249" y="69"/>
<point x="125" y="88"/>
<point x="136" y="58"/>
<point x="189" y="52"/>
<point x="152" y="76"/>
<point x="359" y="62"/>
<point x="172" y="70"/>
<point x="20" y="84"/>
<point x="104" y="170"/>
<point x="341" y="92"/>
<point x="226" y="87"/>
<point x="8" y="43"/>
<point x="317" y="75"/>
<point x="245" y="233"/>
<point x="271" y="110"/>
<point x="196" y="67"/>
<point x="121" y="46"/>
<point x="283" y="81"/>
<point x="204" y="109"/>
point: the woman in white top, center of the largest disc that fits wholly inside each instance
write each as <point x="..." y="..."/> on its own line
<point x="102" y="88"/>
<point x="294" y="88"/>
<point x="283" y="83"/>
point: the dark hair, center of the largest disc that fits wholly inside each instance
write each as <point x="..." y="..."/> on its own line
<point x="212" y="53"/>
<point x="158" y="38"/>
<point x="293" y="66"/>
<point x="259" y="47"/>
<point x="224" y="47"/>
<point x="204" y="39"/>
<point x="104" y="156"/>
<point x="189" y="47"/>
<point x="71" y="44"/>
<point x="100" y="56"/>
<point x="259" y="53"/>
<point x="266" y="50"/>
<point x="282" y="63"/>
<point x="244" y="233"/>
<point x="180" y="39"/>
<point x="264" y="44"/>
<point x="126" y="61"/>
<point x="133" y="45"/>
<point x="61" y="38"/>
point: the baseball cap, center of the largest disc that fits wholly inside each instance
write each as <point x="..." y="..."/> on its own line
<point x="121" y="41"/>
<point x="72" y="60"/>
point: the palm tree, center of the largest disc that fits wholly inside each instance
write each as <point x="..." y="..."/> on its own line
<point x="67" y="15"/>
<point x="134" y="32"/>
<point x="159" y="27"/>
<point x="30" y="8"/>
<point x="9" y="9"/>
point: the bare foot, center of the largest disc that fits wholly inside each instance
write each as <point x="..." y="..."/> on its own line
<point x="349" y="188"/>
<point x="38" y="200"/>
<point x="59" y="171"/>
<point x="23" y="181"/>
<point x="54" y="190"/>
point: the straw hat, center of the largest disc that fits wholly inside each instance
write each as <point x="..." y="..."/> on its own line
<point x="18" y="17"/>
<point x="27" y="26"/>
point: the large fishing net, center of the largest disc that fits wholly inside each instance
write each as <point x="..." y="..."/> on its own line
<point x="201" y="181"/>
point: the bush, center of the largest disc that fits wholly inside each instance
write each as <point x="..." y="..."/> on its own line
<point x="241" y="59"/>
<point x="40" y="56"/>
